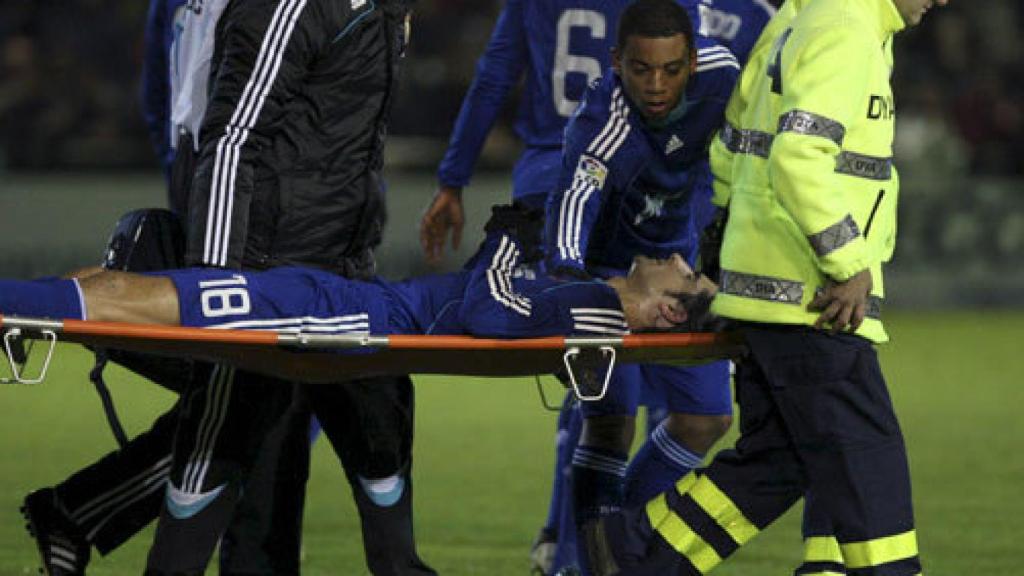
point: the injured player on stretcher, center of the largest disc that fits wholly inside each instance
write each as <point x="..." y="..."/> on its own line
<point x="501" y="292"/>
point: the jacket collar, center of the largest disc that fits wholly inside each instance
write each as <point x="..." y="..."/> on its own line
<point x="888" y="19"/>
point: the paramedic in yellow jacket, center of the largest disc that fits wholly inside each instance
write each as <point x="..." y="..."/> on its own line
<point x="805" y="169"/>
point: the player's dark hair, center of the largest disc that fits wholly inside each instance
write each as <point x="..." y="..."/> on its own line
<point x="654" y="19"/>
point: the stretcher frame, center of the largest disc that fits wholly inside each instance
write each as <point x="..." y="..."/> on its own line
<point x="314" y="358"/>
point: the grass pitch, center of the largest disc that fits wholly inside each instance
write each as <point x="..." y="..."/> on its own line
<point x="484" y="450"/>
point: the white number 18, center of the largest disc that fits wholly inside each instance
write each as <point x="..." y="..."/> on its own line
<point x="224" y="297"/>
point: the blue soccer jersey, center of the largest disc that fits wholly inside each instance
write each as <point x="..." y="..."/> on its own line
<point x="560" y="47"/>
<point x="628" y="188"/>
<point x="495" y="297"/>
<point x="735" y="24"/>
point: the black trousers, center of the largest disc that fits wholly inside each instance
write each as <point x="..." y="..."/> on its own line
<point x="816" y="420"/>
<point x="115" y="497"/>
<point x="368" y="422"/>
<point x="224" y="424"/>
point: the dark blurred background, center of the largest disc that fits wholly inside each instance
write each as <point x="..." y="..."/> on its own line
<point x="74" y="152"/>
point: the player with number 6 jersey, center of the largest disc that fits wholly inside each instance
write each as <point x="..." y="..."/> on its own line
<point x="558" y="47"/>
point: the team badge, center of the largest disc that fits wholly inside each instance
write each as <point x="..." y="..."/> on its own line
<point x="674" y="143"/>
<point x="591" y="171"/>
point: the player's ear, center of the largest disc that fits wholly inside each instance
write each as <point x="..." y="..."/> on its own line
<point x="616" y="60"/>
<point x="673" y="311"/>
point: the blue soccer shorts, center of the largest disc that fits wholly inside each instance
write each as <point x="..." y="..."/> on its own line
<point x="700" y="390"/>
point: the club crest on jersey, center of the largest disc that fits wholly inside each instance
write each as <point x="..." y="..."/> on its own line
<point x="591" y="170"/>
<point x="674" y="143"/>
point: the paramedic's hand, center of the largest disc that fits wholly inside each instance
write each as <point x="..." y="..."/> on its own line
<point x="443" y="214"/>
<point x="843" y="304"/>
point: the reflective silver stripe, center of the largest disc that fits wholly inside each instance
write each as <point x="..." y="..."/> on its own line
<point x="740" y="141"/>
<point x="810" y="124"/>
<point x="762" y="287"/>
<point x="863" y="166"/>
<point x="874" y="308"/>
<point x="835" y="236"/>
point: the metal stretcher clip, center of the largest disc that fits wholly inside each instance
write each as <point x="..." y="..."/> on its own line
<point x="589" y="369"/>
<point x="12" y="338"/>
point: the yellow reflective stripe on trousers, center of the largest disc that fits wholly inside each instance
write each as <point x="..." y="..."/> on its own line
<point x="680" y="536"/>
<point x="822" y="549"/>
<point x="880" y="550"/>
<point x="723" y="510"/>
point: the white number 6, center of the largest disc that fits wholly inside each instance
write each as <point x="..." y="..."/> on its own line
<point x="566" y="62"/>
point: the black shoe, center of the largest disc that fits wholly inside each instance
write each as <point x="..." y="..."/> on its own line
<point x="63" y="550"/>
<point x="542" y="552"/>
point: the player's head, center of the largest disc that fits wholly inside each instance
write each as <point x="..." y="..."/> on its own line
<point x="656" y="289"/>
<point x="913" y="11"/>
<point x="654" y="55"/>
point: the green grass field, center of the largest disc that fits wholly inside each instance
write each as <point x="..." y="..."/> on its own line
<point x="484" y="453"/>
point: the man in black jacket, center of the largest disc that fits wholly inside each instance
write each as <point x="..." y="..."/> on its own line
<point x="289" y="126"/>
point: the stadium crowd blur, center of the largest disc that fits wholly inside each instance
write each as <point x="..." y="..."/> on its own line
<point x="69" y="76"/>
<point x="69" y="101"/>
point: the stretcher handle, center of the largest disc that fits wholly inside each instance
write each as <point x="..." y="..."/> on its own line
<point x="17" y="377"/>
<point x="571" y="354"/>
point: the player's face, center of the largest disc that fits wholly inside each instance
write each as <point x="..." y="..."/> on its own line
<point x="913" y="11"/>
<point x="654" y="72"/>
<point x="663" y="276"/>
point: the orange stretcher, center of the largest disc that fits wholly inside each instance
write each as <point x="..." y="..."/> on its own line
<point x="318" y="358"/>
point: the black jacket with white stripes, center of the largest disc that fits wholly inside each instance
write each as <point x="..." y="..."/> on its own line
<point x="290" y="146"/>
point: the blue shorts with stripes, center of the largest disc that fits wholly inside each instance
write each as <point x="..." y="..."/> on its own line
<point x="287" y="300"/>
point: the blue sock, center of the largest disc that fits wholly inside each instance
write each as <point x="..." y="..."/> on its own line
<point x="597" y="490"/>
<point x="48" y="298"/>
<point x="563" y="459"/>
<point x="659" y="463"/>
<point x="314" y="429"/>
<point x="565" y="553"/>
<point x="596" y="482"/>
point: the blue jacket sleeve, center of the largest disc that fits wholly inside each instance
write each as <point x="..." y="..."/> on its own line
<point x="156" y="83"/>
<point x="497" y="72"/>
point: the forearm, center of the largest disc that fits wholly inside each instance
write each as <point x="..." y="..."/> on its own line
<point x="114" y="296"/>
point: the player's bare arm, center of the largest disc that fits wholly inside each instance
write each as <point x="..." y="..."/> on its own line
<point x="114" y="296"/>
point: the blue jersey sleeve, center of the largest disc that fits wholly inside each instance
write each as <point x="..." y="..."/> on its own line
<point x="595" y="161"/>
<point x="505" y="300"/>
<point x="736" y="24"/>
<point x="497" y="72"/>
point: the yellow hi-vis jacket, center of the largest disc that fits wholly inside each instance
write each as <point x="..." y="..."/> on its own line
<point x="722" y="147"/>
<point x="812" y="190"/>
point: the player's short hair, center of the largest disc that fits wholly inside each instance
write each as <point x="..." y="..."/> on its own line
<point x="654" y="19"/>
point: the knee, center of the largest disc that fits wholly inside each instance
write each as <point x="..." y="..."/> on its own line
<point x="608" y="432"/>
<point x="697" y="432"/>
